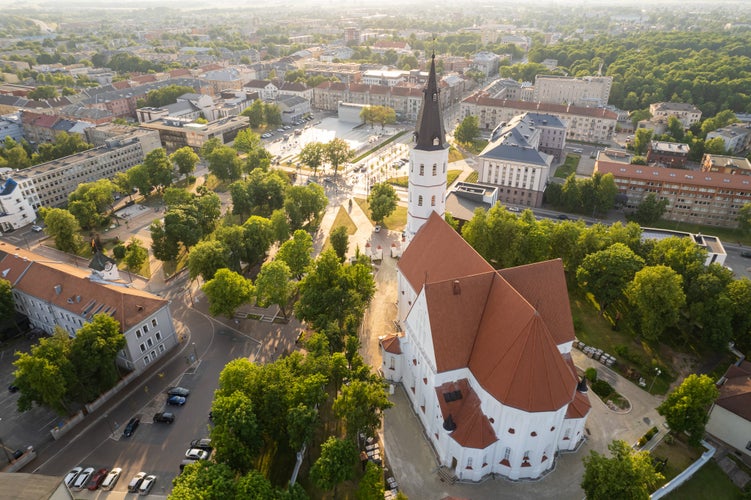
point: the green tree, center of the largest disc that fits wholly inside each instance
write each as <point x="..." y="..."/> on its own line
<point x="335" y="465"/>
<point x="266" y="191"/>
<point x="166" y="95"/>
<point x="272" y="115"/>
<point x="209" y="146"/>
<point x="304" y="205"/>
<point x="468" y="130"/>
<point x="85" y="213"/>
<point x="301" y="422"/>
<point x="136" y="255"/>
<point x="297" y="253"/>
<point x="258" y="238"/>
<point x="255" y="486"/>
<point x="181" y="225"/>
<point x="159" y="168"/>
<point x="605" y="274"/>
<point x="360" y="405"/>
<point x="371" y="486"/>
<point x="656" y="294"/>
<point x="274" y="286"/>
<point x="279" y="225"/>
<point x="227" y="291"/>
<point x="236" y="435"/>
<point x="100" y="193"/>
<point x="650" y="210"/>
<point x="254" y="113"/>
<point x="686" y="407"/>
<point x="43" y="92"/>
<point x="93" y="352"/>
<point x="7" y="304"/>
<point x="313" y="155"/>
<point x="642" y="138"/>
<point x="336" y="152"/>
<point x="382" y="200"/>
<point x="246" y="141"/>
<point x="139" y="178"/>
<point x="62" y="226"/>
<point x="627" y="474"/>
<point x="44" y="375"/>
<point x="225" y="164"/>
<point x="205" y="479"/>
<point x="185" y="159"/>
<point x="744" y="218"/>
<point x="340" y="241"/>
<point x="206" y="258"/>
<point x="163" y="246"/>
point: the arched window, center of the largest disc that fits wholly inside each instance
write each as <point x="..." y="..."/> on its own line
<point x="435" y="169"/>
<point x="444" y="167"/>
<point x="419" y="201"/>
<point x="432" y="201"/>
<point x="422" y="169"/>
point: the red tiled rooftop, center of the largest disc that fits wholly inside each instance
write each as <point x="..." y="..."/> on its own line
<point x="473" y="429"/>
<point x="735" y="393"/>
<point x="391" y="343"/>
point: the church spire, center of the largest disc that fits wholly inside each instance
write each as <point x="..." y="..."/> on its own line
<point x="429" y="134"/>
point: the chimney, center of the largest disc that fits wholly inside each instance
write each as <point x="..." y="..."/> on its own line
<point x="457" y="288"/>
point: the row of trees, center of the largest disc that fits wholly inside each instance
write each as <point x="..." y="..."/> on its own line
<point x="263" y="113"/>
<point x="674" y="287"/>
<point x="383" y="115"/>
<point x="61" y="372"/>
<point x="336" y="152"/>
<point x="592" y="196"/>
<point x="21" y="155"/>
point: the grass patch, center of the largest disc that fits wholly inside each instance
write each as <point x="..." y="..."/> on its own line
<point x="475" y="147"/>
<point x="724" y="233"/>
<point x="679" y="454"/>
<point x="173" y="267"/>
<point x="396" y="221"/>
<point x="708" y="482"/>
<point x="634" y="358"/>
<point x="455" y="154"/>
<point x="213" y="183"/>
<point x="568" y="167"/>
<point x="379" y="146"/>
<point x="342" y="219"/>
<point x="473" y="177"/>
<point x="451" y="176"/>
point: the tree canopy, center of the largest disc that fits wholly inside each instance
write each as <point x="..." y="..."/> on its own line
<point x="686" y="407"/>
<point x="626" y="474"/>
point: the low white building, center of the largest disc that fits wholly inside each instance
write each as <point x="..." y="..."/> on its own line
<point x="56" y="294"/>
<point x="15" y="210"/>
<point x="484" y="358"/>
<point x="730" y="416"/>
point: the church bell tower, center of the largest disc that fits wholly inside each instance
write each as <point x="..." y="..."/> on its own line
<point x="428" y="160"/>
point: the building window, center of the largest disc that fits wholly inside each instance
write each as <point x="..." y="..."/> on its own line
<point x="511" y="430"/>
<point x="422" y="169"/>
<point x="435" y="169"/>
<point x="506" y="458"/>
<point x="533" y="434"/>
<point x="161" y="348"/>
<point x="143" y="348"/>
<point x="153" y="322"/>
<point x="146" y="360"/>
<point x="432" y="201"/>
<point x="149" y="342"/>
<point x="525" y="460"/>
<point x="419" y="201"/>
<point x="158" y="336"/>
<point x="138" y="333"/>
<point x="145" y="328"/>
<point x="469" y="462"/>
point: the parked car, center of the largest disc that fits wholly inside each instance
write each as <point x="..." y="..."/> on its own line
<point x="197" y="454"/>
<point x="147" y="484"/>
<point x="176" y="400"/>
<point x="746" y="253"/>
<point x="136" y="482"/>
<point x="111" y="479"/>
<point x="36" y="229"/>
<point x="164" y="417"/>
<point x="82" y="479"/>
<point x="178" y="391"/>
<point x="202" y="444"/>
<point x="12" y="388"/>
<point x="562" y="217"/>
<point x="96" y="479"/>
<point x="72" y="475"/>
<point x="131" y="427"/>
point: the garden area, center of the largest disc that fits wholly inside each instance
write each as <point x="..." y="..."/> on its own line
<point x="395" y="222"/>
<point x="569" y="166"/>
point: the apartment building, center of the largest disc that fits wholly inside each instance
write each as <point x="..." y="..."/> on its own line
<point x="668" y="154"/>
<point x="687" y="114"/>
<point x="175" y="133"/>
<point x="589" y="91"/>
<point x="49" y="184"/>
<point x="711" y="197"/>
<point x="513" y="161"/>
<point x="582" y="124"/>
<point x="54" y="294"/>
<point x="737" y="138"/>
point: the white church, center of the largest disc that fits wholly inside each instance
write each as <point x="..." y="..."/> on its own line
<point x="483" y="354"/>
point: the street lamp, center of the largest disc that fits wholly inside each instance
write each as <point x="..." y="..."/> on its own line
<point x="658" y="372"/>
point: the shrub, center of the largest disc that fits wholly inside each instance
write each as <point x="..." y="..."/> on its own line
<point x="591" y="374"/>
<point x="119" y="251"/>
<point x="602" y="388"/>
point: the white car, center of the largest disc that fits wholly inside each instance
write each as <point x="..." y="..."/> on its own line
<point x="111" y="479"/>
<point x="82" y="479"/>
<point x="72" y="475"/>
<point x="147" y="484"/>
<point x="136" y="482"/>
<point x="196" y="454"/>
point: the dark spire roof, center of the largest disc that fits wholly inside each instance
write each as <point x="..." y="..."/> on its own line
<point x="429" y="134"/>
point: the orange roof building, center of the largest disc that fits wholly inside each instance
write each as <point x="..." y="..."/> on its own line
<point x="730" y="416"/>
<point x="484" y="357"/>
<point x="54" y="294"/>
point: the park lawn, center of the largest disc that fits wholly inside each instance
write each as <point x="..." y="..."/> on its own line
<point x="595" y="330"/>
<point x="455" y="154"/>
<point x="342" y="219"/>
<point x="473" y="177"/>
<point x="679" y="454"/>
<point x="708" y="482"/>
<point x="173" y="267"/>
<point x="395" y="222"/>
<point x="569" y="166"/>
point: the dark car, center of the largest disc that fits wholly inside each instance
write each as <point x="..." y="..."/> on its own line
<point x="131" y="427"/>
<point x="202" y="444"/>
<point x="746" y="253"/>
<point x="96" y="479"/>
<point x="178" y="391"/>
<point x="12" y="388"/>
<point x="562" y="217"/>
<point x="164" y="417"/>
<point x="176" y="400"/>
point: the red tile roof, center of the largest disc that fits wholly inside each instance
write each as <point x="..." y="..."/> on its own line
<point x="579" y="407"/>
<point x="735" y="393"/>
<point x="473" y="429"/>
<point x="498" y="324"/>
<point x="678" y="176"/>
<point x="391" y="343"/>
